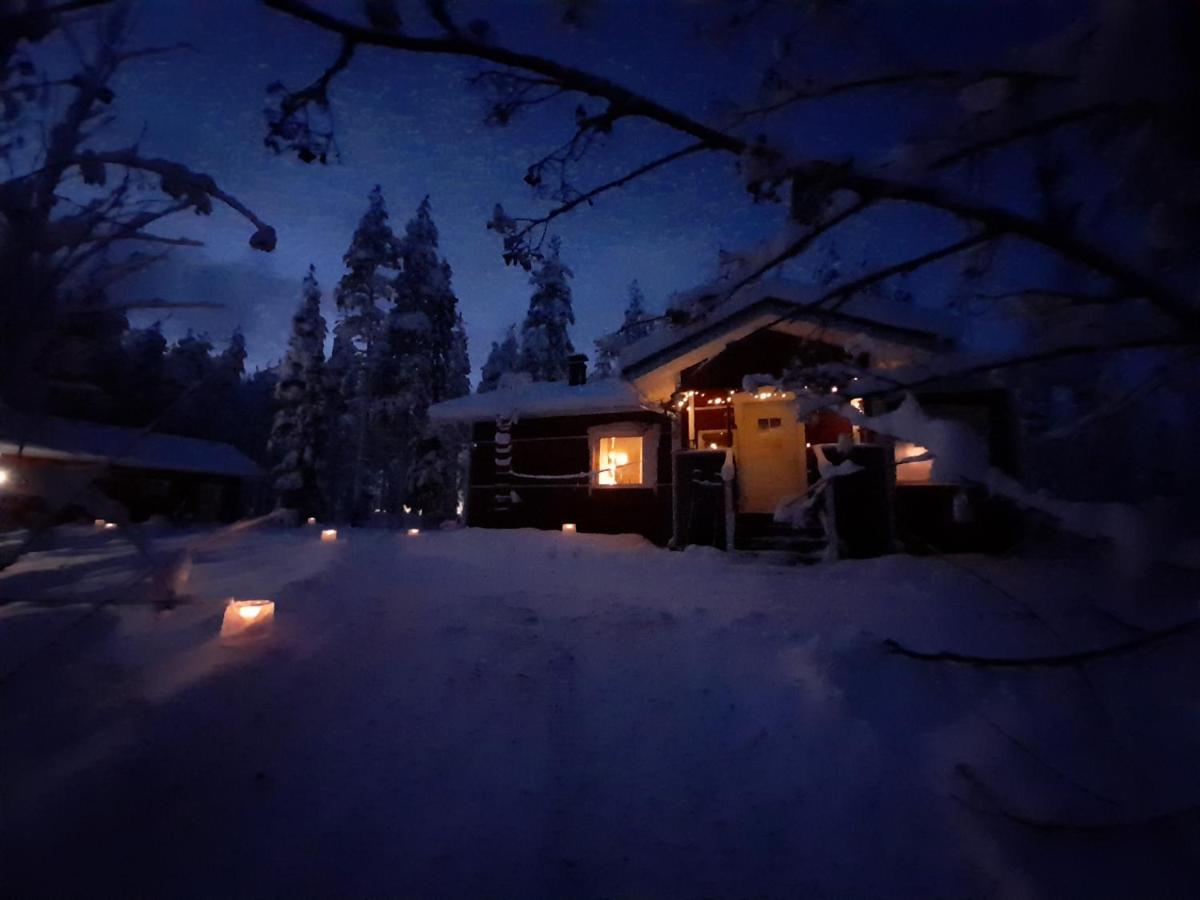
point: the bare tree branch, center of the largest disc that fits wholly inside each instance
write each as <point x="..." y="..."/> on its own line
<point x="624" y="102"/>
<point x="1052" y="661"/>
<point x="797" y="247"/>
<point x="1001" y="810"/>
<point x="179" y="181"/>
<point x="951" y="77"/>
<point x="1032" y="129"/>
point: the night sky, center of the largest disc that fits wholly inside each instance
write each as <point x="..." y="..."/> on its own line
<point x="412" y="125"/>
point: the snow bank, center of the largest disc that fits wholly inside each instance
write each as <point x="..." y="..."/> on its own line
<point x="533" y="714"/>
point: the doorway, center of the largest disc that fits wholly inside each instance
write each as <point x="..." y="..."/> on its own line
<point x="769" y="449"/>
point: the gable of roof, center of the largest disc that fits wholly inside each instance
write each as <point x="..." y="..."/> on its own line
<point x="543" y="399"/>
<point x="886" y="330"/>
<point x="50" y="437"/>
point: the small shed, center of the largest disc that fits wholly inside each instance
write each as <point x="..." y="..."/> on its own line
<point x="147" y="473"/>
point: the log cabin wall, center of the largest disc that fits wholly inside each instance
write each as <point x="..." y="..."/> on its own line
<point x="559" y="446"/>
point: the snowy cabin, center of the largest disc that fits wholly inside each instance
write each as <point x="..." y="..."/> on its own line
<point x="145" y="473"/>
<point x="696" y="442"/>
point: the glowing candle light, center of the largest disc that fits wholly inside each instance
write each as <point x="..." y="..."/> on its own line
<point x="3" y="476"/>
<point x="312" y="520"/>
<point x="109" y="526"/>
<point x="413" y="532"/>
<point x="247" y="618"/>
<point x="569" y="528"/>
<point x="329" y="535"/>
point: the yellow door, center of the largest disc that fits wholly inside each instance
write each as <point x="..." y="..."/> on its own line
<point x="768" y="446"/>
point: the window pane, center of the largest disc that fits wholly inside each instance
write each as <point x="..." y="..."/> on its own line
<point x="912" y="472"/>
<point x="619" y="461"/>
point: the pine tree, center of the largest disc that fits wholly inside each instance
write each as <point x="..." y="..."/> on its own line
<point x="504" y="358"/>
<point x="545" y="344"/>
<point x="358" y="295"/>
<point x="296" y="439"/>
<point x="637" y="324"/>
<point x="426" y="362"/>
<point x="143" y="393"/>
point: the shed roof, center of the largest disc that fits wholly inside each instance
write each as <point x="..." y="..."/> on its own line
<point x="49" y="437"/>
<point x="544" y="399"/>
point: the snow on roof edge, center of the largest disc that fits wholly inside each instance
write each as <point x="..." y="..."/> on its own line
<point x="883" y="316"/>
<point x="544" y="399"/>
<point x="59" y="438"/>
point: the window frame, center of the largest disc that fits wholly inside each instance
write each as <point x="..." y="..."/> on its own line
<point x="648" y="432"/>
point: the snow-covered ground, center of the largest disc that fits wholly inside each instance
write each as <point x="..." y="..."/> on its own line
<point x="525" y="714"/>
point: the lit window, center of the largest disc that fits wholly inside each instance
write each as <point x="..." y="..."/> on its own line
<point x="916" y="472"/>
<point x="618" y="460"/>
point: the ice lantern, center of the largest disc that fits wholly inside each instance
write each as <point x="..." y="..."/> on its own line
<point x="568" y="528"/>
<point x="329" y="535"/>
<point x="247" y="618"/>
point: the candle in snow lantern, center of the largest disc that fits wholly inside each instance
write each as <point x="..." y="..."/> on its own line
<point x="569" y="528"/>
<point x="247" y="617"/>
<point x="413" y="532"/>
<point x="312" y="520"/>
<point x="329" y="535"/>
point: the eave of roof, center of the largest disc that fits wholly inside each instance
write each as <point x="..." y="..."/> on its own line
<point x="49" y="437"/>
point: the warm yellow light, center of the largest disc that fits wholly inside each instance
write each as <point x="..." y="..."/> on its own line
<point x="917" y="472"/>
<point x="247" y="618"/>
<point x="329" y="534"/>
<point x="857" y="403"/>
<point x="569" y="528"/>
<point x="109" y="526"/>
<point x="712" y="446"/>
<point x="312" y="520"/>
<point x="833" y="390"/>
<point x="3" y="476"/>
<point x="413" y="532"/>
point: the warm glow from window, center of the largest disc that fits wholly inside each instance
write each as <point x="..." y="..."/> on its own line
<point x="619" y="461"/>
<point x="3" y="476"/>
<point x="912" y="472"/>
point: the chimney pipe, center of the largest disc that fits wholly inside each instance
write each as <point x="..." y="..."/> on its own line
<point x="577" y="369"/>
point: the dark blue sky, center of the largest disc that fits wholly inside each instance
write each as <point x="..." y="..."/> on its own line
<point x="410" y="124"/>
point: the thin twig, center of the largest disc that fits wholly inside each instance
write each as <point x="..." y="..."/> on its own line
<point x="1052" y="661"/>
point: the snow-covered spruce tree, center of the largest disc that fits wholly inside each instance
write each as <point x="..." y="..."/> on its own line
<point x="545" y="344"/>
<point x="504" y="358"/>
<point x="296" y="433"/>
<point x="358" y="295"/>
<point x="425" y="362"/>
<point x="336" y="456"/>
<point x="636" y="324"/>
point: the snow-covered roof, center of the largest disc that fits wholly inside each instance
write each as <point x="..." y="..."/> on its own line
<point x="542" y="400"/>
<point x="884" y="328"/>
<point x="47" y="437"/>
